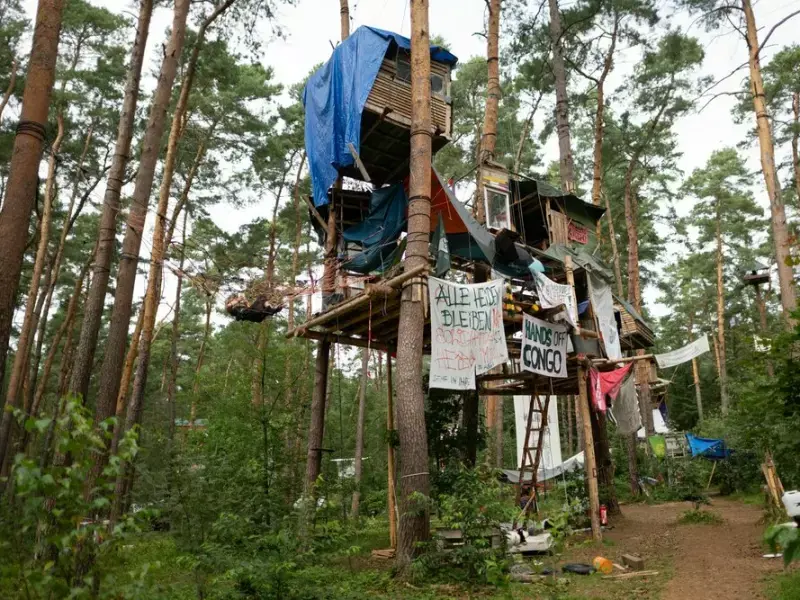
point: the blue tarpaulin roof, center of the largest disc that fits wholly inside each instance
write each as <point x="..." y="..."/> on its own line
<point x="707" y="448"/>
<point x="334" y="99"/>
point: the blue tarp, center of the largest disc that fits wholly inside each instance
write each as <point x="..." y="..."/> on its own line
<point x="711" y="449"/>
<point x="379" y="232"/>
<point x="334" y="98"/>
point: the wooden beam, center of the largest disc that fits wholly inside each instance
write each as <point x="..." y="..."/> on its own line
<point x="357" y="302"/>
<point x="586" y="418"/>
<point x="348" y="341"/>
<point x="359" y="164"/>
<point x="314" y="212"/>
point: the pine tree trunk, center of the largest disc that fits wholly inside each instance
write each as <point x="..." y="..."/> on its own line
<point x="761" y="303"/>
<point x="54" y="270"/>
<point x="697" y="393"/>
<point x="469" y="419"/>
<point x="93" y="310"/>
<point x="565" y="162"/>
<point x="723" y="370"/>
<point x="66" y="326"/>
<point x="599" y="121"/>
<point x="570" y="426"/>
<point x="18" y="370"/>
<point x="612" y="236"/>
<point x="121" y="402"/>
<point x="126" y="274"/>
<point x="633" y="467"/>
<point x="605" y="466"/>
<point x="780" y="233"/>
<point x="201" y="355"/>
<point x="298" y="239"/>
<point x="796" y="143"/>
<point x="359" y="453"/>
<point x="414" y="477"/>
<point x="172" y="381"/>
<point x="12" y="82"/>
<point x="493" y="89"/>
<point x="23" y="177"/>
<point x="344" y="13"/>
<point x="316" y="427"/>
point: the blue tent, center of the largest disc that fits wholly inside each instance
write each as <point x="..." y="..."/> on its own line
<point x="334" y="99"/>
<point x="709" y="448"/>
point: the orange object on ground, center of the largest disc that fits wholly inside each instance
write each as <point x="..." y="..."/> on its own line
<point x="603" y="565"/>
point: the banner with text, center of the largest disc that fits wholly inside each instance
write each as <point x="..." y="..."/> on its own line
<point x="552" y="294"/>
<point x="544" y="347"/>
<point x="682" y="355"/>
<point x="467" y="334"/>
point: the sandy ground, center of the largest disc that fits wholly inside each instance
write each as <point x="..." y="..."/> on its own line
<point x="707" y="562"/>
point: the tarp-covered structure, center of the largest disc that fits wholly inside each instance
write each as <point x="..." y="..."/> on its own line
<point x="334" y="99"/>
<point x="710" y="448"/>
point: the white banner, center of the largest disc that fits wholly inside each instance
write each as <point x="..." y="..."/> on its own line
<point x="551" y="446"/>
<point x="681" y="355"/>
<point x="544" y="347"/>
<point x="603" y="304"/>
<point x="467" y="334"/>
<point x="552" y="294"/>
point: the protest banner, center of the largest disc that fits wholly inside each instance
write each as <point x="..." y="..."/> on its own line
<point x="544" y="347"/>
<point x="682" y="355"/>
<point x="467" y="334"/>
<point x="552" y="294"/>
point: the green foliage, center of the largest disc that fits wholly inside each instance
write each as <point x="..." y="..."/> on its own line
<point x="48" y="530"/>
<point x="698" y="516"/>
<point x="475" y="504"/>
<point x="785" y="539"/>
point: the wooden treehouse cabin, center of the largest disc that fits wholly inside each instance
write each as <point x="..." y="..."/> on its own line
<point x="535" y="238"/>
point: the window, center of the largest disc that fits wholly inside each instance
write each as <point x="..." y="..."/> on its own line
<point x="403" y="68"/>
<point x="437" y="84"/>
<point x="498" y="213"/>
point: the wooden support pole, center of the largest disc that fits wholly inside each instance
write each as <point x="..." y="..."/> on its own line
<point x="391" y="501"/>
<point x="588" y="439"/>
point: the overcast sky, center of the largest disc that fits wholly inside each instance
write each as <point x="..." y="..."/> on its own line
<point x="313" y="25"/>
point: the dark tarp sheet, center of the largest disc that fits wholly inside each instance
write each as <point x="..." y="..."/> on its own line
<point x="379" y="232"/>
<point x="334" y="99"/>
<point x="711" y="449"/>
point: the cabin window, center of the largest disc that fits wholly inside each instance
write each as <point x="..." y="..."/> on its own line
<point x="498" y="212"/>
<point x="403" y="67"/>
<point x="437" y="84"/>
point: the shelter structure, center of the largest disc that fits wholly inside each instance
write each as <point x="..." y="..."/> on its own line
<point x="357" y="125"/>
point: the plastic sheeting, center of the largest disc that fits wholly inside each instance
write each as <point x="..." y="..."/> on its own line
<point x="379" y="232"/>
<point x="334" y="99"/>
<point x="709" y="448"/>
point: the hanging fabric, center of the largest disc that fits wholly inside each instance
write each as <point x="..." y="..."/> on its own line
<point x="607" y="383"/>
<point x="603" y="304"/>
<point x="625" y="410"/>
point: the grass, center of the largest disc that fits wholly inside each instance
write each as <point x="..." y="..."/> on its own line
<point x="697" y="516"/>
<point x="785" y="586"/>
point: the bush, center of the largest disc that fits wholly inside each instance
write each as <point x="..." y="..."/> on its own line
<point x="476" y="504"/>
<point x="700" y="517"/>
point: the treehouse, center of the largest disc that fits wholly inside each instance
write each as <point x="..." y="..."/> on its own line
<point x="755" y="274"/>
<point x="358" y="110"/>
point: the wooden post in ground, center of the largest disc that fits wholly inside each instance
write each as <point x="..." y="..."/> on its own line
<point x="391" y="503"/>
<point x="590" y="463"/>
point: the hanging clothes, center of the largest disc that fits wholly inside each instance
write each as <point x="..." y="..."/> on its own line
<point x="607" y="383"/>
<point x="626" y="408"/>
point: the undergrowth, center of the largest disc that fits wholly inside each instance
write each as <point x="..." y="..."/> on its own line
<point x="698" y="516"/>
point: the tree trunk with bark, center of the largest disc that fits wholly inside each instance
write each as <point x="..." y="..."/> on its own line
<point x="605" y="466"/>
<point x="172" y="381"/>
<point x="796" y="143"/>
<point x="723" y="370"/>
<point x="612" y="236"/>
<point x="129" y="258"/>
<point x="344" y="16"/>
<point x="599" y="120"/>
<point x="493" y="89"/>
<point x="93" y="310"/>
<point x="19" y="368"/>
<point x="414" y="477"/>
<point x="359" y="453"/>
<point x="780" y="232"/>
<point x="565" y="163"/>
<point x="23" y="177"/>
<point x="12" y="82"/>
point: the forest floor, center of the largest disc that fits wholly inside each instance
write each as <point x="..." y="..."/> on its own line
<point x="708" y="561"/>
<point x="722" y="559"/>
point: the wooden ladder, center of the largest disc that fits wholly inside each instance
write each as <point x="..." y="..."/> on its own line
<point x="532" y="454"/>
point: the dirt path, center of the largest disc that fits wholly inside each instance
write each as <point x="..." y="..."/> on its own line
<point x="707" y="562"/>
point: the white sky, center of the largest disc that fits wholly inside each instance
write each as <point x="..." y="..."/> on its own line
<point x="312" y="25"/>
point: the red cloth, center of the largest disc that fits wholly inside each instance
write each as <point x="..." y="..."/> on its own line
<point x="606" y="383"/>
